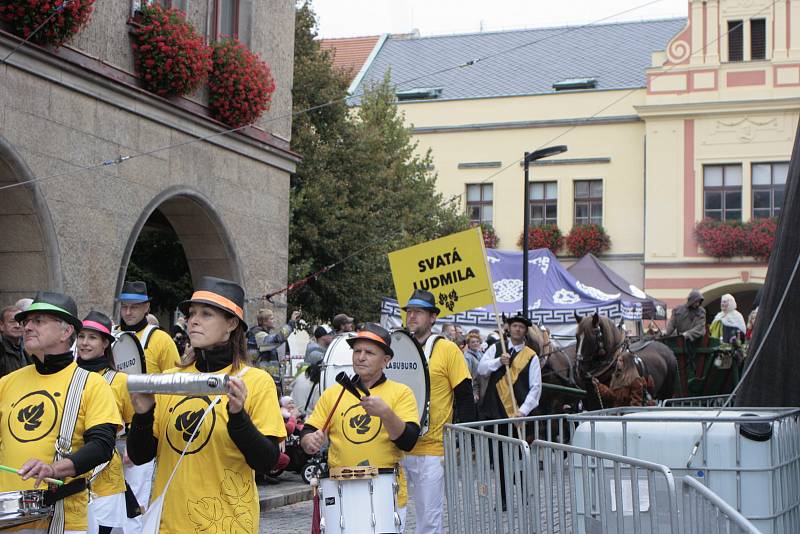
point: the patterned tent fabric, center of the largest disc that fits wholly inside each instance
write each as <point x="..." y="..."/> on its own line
<point x="595" y="273"/>
<point x="554" y="295"/>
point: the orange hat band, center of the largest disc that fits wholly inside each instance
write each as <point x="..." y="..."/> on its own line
<point x="366" y="334"/>
<point x="219" y="299"/>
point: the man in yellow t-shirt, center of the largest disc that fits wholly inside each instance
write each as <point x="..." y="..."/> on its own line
<point x="32" y="403"/>
<point x="160" y="351"/>
<point x="450" y="381"/>
<point x="375" y="430"/>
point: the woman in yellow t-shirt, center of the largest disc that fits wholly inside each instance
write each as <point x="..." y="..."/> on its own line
<point x="107" y="508"/>
<point x="213" y="489"/>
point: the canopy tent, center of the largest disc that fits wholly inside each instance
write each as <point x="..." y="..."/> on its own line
<point x="593" y="272"/>
<point x="554" y="295"/>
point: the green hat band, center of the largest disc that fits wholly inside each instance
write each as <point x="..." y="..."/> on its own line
<point x="45" y="307"/>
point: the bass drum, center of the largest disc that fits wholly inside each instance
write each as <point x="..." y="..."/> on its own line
<point x="128" y="354"/>
<point x="338" y="358"/>
<point x="409" y="367"/>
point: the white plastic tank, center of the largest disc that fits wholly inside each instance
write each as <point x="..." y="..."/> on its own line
<point x="737" y="462"/>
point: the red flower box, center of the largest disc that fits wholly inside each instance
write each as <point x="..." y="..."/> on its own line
<point x="64" y="19"/>
<point x="586" y="238"/>
<point x="726" y="239"/>
<point x="169" y="55"/>
<point x="547" y="236"/>
<point x="490" y="239"/>
<point x="240" y="83"/>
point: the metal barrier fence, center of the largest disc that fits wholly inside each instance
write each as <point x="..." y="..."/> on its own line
<point x="704" y="512"/>
<point x="710" y="401"/>
<point x="749" y="457"/>
<point x="551" y="486"/>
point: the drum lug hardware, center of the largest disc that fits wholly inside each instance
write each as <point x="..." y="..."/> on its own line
<point x="374" y="522"/>
<point x="397" y="519"/>
<point x="483" y="490"/>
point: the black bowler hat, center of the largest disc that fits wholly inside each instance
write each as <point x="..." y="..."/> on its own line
<point x="99" y="322"/>
<point x="134" y="292"/>
<point x="519" y="319"/>
<point x="56" y="304"/>
<point x="422" y="299"/>
<point x="223" y="294"/>
<point x="376" y="334"/>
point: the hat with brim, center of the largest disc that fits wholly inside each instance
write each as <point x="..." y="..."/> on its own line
<point x="134" y="292"/>
<point x="422" y="299"/>
<point x="340" y="320"/>
<point x="376" y="334"/>
<point x="519" y="319"/>
<point x="56" y="304"/>
<point x="100" y="323"/>
<point x="222" y="294"/>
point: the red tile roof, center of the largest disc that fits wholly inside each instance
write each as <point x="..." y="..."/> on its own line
<point x="350" y="53"/>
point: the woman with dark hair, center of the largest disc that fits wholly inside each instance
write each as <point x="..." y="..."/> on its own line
<point x="107" y="508"/>
<point x="627" y="387"/>
<point x="222" y="440"/>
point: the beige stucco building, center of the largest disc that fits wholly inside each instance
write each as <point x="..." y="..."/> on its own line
<point x="646" y="110"/>
<point x="69" y="222"/>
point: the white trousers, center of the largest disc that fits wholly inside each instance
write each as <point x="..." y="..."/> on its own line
<point x="140" y="479"/>
<point x="425" y="475"/>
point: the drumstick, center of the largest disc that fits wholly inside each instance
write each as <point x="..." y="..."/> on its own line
<point x="330" y="415"/>
<point x="46" y="479"/>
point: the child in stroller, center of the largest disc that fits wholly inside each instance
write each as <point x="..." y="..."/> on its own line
<point x="293" y="457"/>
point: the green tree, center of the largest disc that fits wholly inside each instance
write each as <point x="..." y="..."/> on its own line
<point x="361" y="183"/>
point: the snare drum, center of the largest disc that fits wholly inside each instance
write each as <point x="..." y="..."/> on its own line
<point x="22" y="507"/>
<point x="359" y="505"/>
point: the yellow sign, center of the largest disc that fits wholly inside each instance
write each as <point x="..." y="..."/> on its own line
<point x="453" y="268"/>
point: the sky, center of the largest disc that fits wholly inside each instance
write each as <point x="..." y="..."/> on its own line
<point x="351" y="18"/>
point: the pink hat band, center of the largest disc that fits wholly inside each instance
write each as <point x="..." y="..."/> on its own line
<point x="94" y="325"/>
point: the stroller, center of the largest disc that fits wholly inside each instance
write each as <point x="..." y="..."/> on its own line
<point x="307" y="466"/>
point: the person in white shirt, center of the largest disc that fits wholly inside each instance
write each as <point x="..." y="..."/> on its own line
<point x="504" y="401"/>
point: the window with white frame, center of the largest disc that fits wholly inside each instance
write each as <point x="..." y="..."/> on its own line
<point x="769" y="183"/>
<point x="479" y="203"/>
<point x="722" y="192"/>
<point x="588" y="202"/>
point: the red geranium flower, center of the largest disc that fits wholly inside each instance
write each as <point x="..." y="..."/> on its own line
<point x="169" y="55"/>
<point x="58" y="22"/>
<point x="547" y="236"/>
<point x="240" y="84"/>
<point x="586" y="238"/>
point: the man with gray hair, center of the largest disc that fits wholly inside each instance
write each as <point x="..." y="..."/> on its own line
<point x="55" y="401"/>
<point x="12" y="356"/>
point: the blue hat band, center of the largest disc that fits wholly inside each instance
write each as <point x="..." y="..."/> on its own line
<point x="418" y="303"/>
<point x="133" y="296"/>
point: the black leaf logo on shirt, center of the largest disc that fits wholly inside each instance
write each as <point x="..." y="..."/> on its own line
<point x="360" y="423"/>
<point x="187" y="423"/>
<point x="31" y="416"/>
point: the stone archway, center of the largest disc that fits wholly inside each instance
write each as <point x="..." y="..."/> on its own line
<point x="206" y="242"/>
<point x="29" y="257"/>
<point x="744" y="293"/>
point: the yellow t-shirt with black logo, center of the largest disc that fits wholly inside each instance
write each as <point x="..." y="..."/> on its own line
<point x="111" y="480"/>
<point x="214" y="490"/>
<point x="161" y="352"/>
<point x="447" y="369"/>
<point x="31" y="407"/>
<point x="359" y="439"/>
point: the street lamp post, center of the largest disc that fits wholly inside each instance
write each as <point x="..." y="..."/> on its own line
<point x="531" y="156"/>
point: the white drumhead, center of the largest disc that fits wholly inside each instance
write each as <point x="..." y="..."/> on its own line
<point x="409" y="367"/>
<point x="128" y="354"/>
<point x="338" y="358"/>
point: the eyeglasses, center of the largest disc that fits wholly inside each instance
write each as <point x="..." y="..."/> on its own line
<point x="37" y="321"/>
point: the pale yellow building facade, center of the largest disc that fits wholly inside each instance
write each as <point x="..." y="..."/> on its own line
<point x="720" y="92"/>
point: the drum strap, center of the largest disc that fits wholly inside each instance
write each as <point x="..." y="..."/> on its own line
<point x="147" y="333"/>
<point x="69" y="419"/>
<point x="429" y="343"/>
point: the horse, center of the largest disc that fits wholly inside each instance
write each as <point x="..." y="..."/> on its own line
<point x="600" y="341"/>
<point x="558" y="365"/>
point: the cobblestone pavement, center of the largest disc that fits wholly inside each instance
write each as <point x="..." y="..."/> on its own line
<point x="296" y="519"/>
